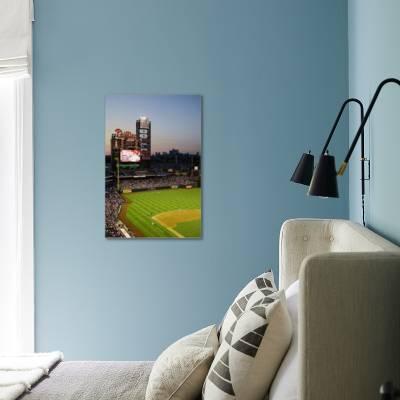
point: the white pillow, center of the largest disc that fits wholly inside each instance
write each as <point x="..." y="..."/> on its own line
<point x="286" y="383"/>
<point x="256" y="289"/>
<point x="179" y="372"/>
<point x="251" y="351"/>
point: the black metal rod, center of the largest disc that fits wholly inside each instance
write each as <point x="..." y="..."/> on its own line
<point x="362" y="155"/>
<point x="328" y="140"/>
<point x="342" y="168"/>
<point x="362" y="160"/>
<point x="338" y="119"/>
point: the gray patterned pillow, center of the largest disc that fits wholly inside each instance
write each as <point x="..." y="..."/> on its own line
<point x="261" y="286"/>
<point x="251" y="351"/>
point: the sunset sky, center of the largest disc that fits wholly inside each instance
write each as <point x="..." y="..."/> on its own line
<point x="175" y="119"/>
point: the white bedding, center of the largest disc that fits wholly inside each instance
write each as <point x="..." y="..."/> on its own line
<point x="285" y="384"/>
<point x="19" y="373"/>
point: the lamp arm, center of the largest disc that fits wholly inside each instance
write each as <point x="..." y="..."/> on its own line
<point x="343" y="167"/>
<point x="338" y="119"/>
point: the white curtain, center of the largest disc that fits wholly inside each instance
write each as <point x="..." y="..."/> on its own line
<point x="16" y="179"/>
<point x="15" y="37"/>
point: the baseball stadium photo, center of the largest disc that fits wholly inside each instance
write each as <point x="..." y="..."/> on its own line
<point x="153" y="166"/>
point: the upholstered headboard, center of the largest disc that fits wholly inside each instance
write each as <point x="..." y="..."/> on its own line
<point x="300" y="238"/>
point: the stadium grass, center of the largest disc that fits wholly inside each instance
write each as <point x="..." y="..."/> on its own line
<point x="142" y="206"/>
<point x="189" y="229"/>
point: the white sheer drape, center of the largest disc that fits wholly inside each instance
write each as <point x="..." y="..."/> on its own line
<point x="16" y="179"/>
<point x="16" y="216"/>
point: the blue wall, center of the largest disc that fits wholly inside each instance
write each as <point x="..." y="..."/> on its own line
<point x="272" y="74"/>
<point x="374" y="33"/>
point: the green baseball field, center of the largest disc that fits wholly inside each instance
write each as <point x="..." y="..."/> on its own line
<point x="163" y="213"/>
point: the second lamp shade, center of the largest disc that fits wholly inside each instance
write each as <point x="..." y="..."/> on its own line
<point x="324" y="180"/>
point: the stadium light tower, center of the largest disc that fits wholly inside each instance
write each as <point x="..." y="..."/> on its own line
<point x="117" y="164"/>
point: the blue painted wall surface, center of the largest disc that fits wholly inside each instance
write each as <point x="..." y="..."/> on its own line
<point x="374" y="33"/>
<point x="272" y="74"/>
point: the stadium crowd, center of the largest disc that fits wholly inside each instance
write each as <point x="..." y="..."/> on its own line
<point x="113" y="204"/>
<point x="157" y="182"/>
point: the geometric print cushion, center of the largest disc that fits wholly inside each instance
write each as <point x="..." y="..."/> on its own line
<point x="251" y="351"/>
<point x="261" y="286"/>
<point x="180" y="370"/>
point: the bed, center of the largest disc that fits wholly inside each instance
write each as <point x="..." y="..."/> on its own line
<point x="349" y="279"/>
<point x="93" y="380"/>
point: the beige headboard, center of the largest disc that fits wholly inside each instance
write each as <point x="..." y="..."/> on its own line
<point x="300" y="238"/>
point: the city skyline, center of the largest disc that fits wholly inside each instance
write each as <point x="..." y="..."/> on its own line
<point x="176" y="120"/>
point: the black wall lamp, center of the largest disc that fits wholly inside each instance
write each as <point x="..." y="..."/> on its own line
<point x="305" y="168"/>
<point x="324" y="180"/>
<point x="360" y="133"/>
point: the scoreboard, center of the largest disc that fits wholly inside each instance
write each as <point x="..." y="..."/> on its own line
<point x="129" y="156"/>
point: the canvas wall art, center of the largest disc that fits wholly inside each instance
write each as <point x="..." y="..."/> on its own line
<point x="153" y="166"/>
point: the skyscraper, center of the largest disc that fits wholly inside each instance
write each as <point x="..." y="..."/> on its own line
<point x="143" y="135"/>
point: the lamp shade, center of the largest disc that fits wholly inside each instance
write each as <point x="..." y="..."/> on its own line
<point x="324" y="181"/>
<point x="304" y="170"/>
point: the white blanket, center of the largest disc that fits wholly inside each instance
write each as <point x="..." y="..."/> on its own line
<point x="18" y="373"/>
